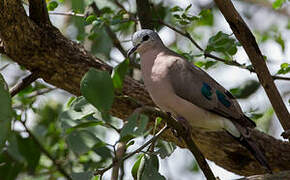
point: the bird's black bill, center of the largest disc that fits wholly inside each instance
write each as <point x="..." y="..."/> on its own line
<point x="132" y="50"/>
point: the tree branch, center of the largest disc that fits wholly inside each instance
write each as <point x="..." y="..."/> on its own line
<point x="109" y="31"/>
<point x="247" y="39"/>
<point x="38" y="12"/>
<point x="24" y="83"/>
<point x="206" y="54"/>
<point x="191" y="145"/>
<point x="114" y="37"/>
<point x="62" y="63"/>
<point x="144" y="14"/>
<point x="280" y="175"/>
<point x="102" y="171"/>
<point x="121" y="147"/>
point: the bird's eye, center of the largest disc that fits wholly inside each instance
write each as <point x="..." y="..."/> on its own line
<point x="145" y="38"/>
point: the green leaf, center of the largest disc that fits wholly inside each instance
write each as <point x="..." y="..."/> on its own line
<point x="9" y="169"/>
<point x="106" y="10"/>
<point x="119" y="74"/>
<point x="156" y="124"/>
<point x="3" y="83"/>
<point x="82" y="175"/>
<point x="97" y="88"/>
<point x="81" y="141"/>
<point x="102" y="150"/>
<point x="245" y="90"/>
<point x="52" y="5"/>
<point x="278" y="3"/>
<point x="177" y="16"/>
<point x="194" y="167"/>
<point x="284" y="68"/>
<point x="135" y="126"/>
<point x="264" y="122"/>
<point x="13" y="149"/>
<point x="206" y="18"/>
<point x="222" y="43"/>
<point x="148" y="169"/>
<point x="84" y="125"/>
<point x="165" y="148"/>
<point x="6" y="113"/>
<point x="32" y="155"/>
<point x="135" y="168"/>
<point x="188" y="7"/>
<point x="205" y="64"/>
<point x="176" y="9"/>
<point x="90" y="19"/>
<point x="281" y="42"/>
<point x="288" y="25"/>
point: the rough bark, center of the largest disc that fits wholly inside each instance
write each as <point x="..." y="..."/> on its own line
<point x="248" y="41"/>
<point x="281" y="175"/>
<point x="144" y="13"/>
<point x="62" y="63"/>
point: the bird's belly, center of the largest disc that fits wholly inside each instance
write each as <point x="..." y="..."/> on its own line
<point x="160" y="95"/>
<point x="196" y="116"/>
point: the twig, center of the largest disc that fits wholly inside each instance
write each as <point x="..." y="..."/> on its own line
<point x="120" y="5"/>
<point x="67" y="14"/>
<point x="113" y="36"/>
<point x="24" y="83"/>
<point x="121" y="147"/>
<point x="4" y="67"/>
<point x="41" y="147"/>
<point x="102" y="171"/>
<point x="187" y="139"/>
<point x="206" y="54"/>
<point x="247" y="39"/>
<point x="109" y="31"/>
<point x="280" y="78"/>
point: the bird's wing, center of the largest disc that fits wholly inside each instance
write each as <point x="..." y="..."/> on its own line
<point x="196" y="86"/>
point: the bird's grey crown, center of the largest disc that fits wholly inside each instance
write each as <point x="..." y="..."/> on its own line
<point x="138" y="36"/>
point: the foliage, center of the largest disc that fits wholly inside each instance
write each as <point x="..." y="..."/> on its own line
<point x="41" y="138"/>
<point x="222" y="43"/>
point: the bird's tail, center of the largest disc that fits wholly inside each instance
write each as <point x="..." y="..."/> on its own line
<point x="250" y="144"/>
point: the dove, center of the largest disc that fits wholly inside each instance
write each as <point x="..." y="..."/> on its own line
<point x="189" y="94"/>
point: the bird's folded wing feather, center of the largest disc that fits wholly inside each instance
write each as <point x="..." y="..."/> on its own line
<point x="196" y="86"/>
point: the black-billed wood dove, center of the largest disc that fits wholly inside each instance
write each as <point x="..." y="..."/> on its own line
<point x="187" y="92"/>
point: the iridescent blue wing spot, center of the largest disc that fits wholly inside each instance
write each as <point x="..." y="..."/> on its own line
<point x="222" y="98"/>
<point x="206" y="91"/>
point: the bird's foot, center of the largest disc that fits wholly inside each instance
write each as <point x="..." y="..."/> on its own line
<point x="185" y="124"/>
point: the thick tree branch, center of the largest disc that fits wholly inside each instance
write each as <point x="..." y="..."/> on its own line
<point x="38" y="12"/>
<point x="144" y="14"/>
<point x="62" y="63"/>
<point x="276" y="176"/>
<point x="247" y="39"/>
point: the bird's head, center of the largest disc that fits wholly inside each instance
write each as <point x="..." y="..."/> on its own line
<point x="143" y="40"/>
